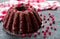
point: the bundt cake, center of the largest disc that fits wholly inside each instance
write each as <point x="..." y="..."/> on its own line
<point x="22" y="19"/>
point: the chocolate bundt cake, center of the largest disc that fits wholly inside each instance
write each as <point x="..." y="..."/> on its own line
<point x="22" y="19"/>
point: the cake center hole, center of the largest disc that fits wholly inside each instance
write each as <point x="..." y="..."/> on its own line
<point x="21" y="8"/>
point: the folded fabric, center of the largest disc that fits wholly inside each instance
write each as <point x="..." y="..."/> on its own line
<point x="39" y="6"/>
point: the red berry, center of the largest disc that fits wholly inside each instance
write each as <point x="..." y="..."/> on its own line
<point x="44" y="33"/>
<point x="4" y="12"/>
<point x="44" y="16"/>
<point x="49" y="33"/>
<point x="38" y="9"/>
<point x="38" y="32"/>
<point x="40" y="14"/>
<point x="29" y="35"/>
<point x="19" y="4"/>
<point x="42" y="26"/>
<point x="50" y="23"/>
<point x="47" y="27"/>
<point x="46" y="30"/>
<point x="51" y="27"/>
<point x="23" y="35"/>
<point x="45" y="21"/>
<point x="53" y="22"/>
<point x="37" y="1"/>
<point x="1" y="16"/>
<point x="28" y="9"/>
<point x="52" y="15"/>
<point x="54" y="28"/>
<point x="10" y="7"/>
<point x="30" y="6"/>
<point x="48" y="19"/>
<point x="53" y="19"/>
<point x="49" y="13"/>
<point x="35" y="34"/>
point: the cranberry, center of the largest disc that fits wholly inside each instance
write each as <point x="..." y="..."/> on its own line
<point x="46" y="30"/>
<point x="38" y="9"/>
<point x="38" y="32"/>
<point x="40" y="14"/>
<point x="49" y="33"/>
<point x="53" y="19"/>
<point x="1" y="16"/>
<point x="51" y="27"/>
<point x="42" y="26"/>
<point x="19" y="4"/>
<point x="30" y="6"/>
<point x="28" y="9"/>
<point x="37" y="1"/>
<point x="35" y="34"/>
<point x="44" y="33"/>
<point x="50" y="23"/>
<point x="49" y="13"/>
<point x="23" y="35"/>
<point x="10" y="7"/>
<point x="4" y="12"/>
<point x="53" y="22"/>
<point x="50" y="16"/>
<point x="44" y="18"/>
<point x="48" y="19"/>
<point x="54" y="28"/>
<point x="45" y="21"/>
<point x="47" y="27"/>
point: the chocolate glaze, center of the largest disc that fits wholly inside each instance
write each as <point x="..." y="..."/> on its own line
<point x="22" y="22"/>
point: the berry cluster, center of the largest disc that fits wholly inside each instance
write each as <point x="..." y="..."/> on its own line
<point x="50" y="20"/>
